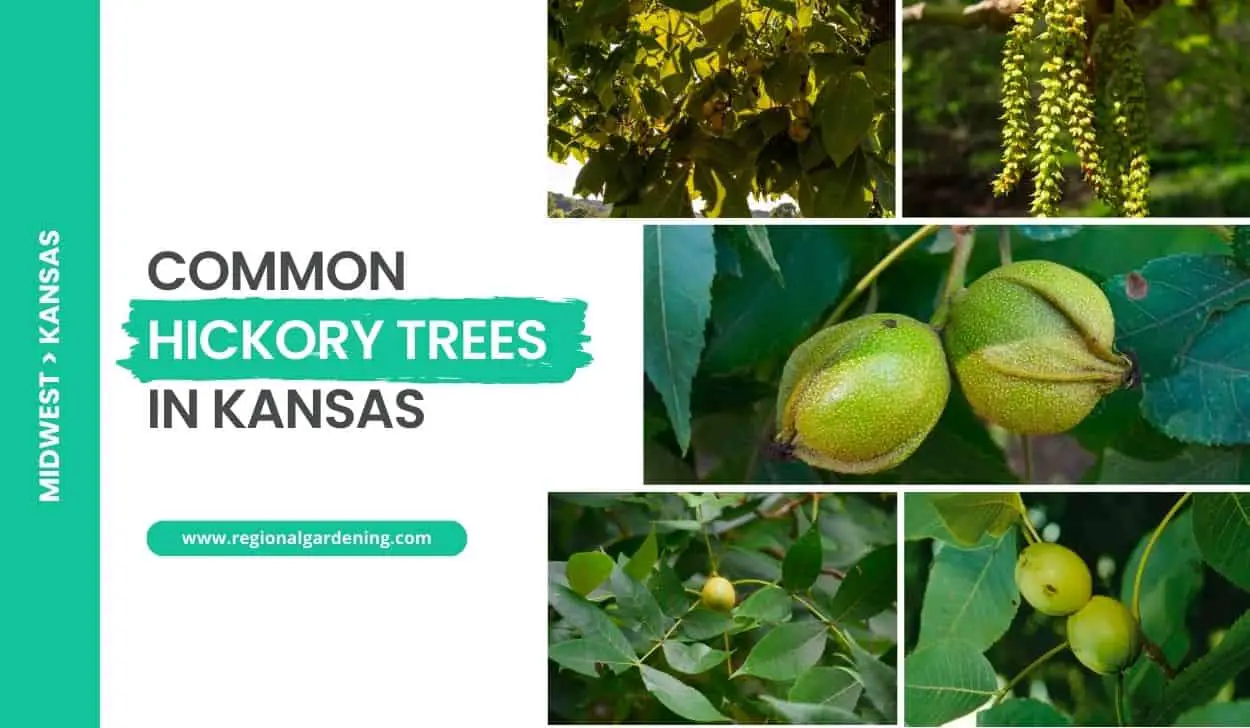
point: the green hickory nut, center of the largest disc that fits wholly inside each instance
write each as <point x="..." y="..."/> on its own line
<point x="1032" y="345"/>
<point x="860" y="396"/>
<point x="1104" y="636"/>
<point x="718" y="594"/>
<point x="1053" y="579"/>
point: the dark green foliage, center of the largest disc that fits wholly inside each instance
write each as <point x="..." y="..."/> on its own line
<point x="810" y="640"/>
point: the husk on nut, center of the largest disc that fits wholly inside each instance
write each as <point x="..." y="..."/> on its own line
<point x="860" y="396"/>
<point x="1032" y="345"/>
<point x="1104" y="636"/>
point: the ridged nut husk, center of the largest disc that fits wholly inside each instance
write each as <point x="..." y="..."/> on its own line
<point x="860" y="396"/>
<point x="1032" y="345"/>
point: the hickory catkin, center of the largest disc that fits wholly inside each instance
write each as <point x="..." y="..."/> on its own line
<point x="1016" y="97"/>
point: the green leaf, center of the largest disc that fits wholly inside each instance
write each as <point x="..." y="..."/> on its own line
<point x="803" y="560"/>
<point x="754" y="318"/>
<point x="786" y="651"/>
<point x="689" y="6"/>
<point x="879" y="67"/>
<point x="587" y="570"/>
<point x="669" y="593"/>
<point x="724" y="194"/>
<point x="680" y="697"/>
<point x="770" y="605"/>
<point x="1241" y="245"/>
<point x="970" y="516"/>
<point x="811" y="713"/>
<point x="702" y="624"/>
<point x="644" y="559"/>
<point x="868" y="589"/>
<point x="582" y="654"/>
<point x="679" y="263"/>
<point x="723" y="23"/>
<point x="1202" y="680"/>
<point x="946" y="681"/>
<point x="1206" y="400"/>
<point x="844" y="111"/>
<point x="635" y="604"/>
<point x="783" y="78"/>
<point x="588" y="619"/>
<point x="844" y="192"/>
<point x="1237" y="713"/>
<point x="921" y="520"/>
<point x="835" y="686"/>
<point x="692" y="658"/>
<point x="1193" y="465"/>
<point x="728" y="261"/>
<point x="1171" y="582"/>
<point x="1222" y="530"/>
<point x="1161" y="307"/>
<point x="594" y="174"/>
<point x="758" y="235"/>
<point x="883" y="179"/>
<point x="1022" y="712"/>
<point x="782" y="6"/>
<point x="880" y="681"/>
<point x="971" y="596"/>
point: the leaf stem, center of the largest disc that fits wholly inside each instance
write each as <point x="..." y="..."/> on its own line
<point x="1030" y="531"/>
<point x="707" y="541"/>
<point x="812" y="608"/>
<point x="1004" y="245"/>
<point x="1145" y="554"/>
<point x="955" y="275"/>
<point x="865" y="282"/>
<point x="760" y="582"/>
<point x="833" y="627"/>
<point x="669" y="633"/>
<point x="1006" y="689"/>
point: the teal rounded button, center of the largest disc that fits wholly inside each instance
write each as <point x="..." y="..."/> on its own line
<point x="306" y="538"/>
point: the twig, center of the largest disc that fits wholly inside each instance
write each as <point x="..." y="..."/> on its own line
<point x="866" y="282"/>
<point x="1006" y="690"/>
<point x="965" y="238"/>
<point x="992" y="14"/>
<point x="785" y="508"/>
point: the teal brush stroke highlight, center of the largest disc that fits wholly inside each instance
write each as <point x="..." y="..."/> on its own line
<point x="563" y="321"/>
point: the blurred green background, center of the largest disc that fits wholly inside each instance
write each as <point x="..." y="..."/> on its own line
<point x="1198" y="82"/>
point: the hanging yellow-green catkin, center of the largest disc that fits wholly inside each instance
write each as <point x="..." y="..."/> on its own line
<point x="1078" y="94"/>
<point x="1136" y="185"/>
<point x="1125" y="134"/>
<point x="1017" y="93"/>
<point x="1052" y="108"/>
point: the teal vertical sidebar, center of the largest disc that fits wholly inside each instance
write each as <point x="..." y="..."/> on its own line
<point x="50" y="377"/>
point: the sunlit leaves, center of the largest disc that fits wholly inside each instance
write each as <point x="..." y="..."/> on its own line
<point x="587" y="570"/>
<point x="635" y="88"/>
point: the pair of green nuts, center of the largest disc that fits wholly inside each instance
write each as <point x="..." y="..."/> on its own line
<point x="1102" y="632"/>
<point x="1031" y="344"/>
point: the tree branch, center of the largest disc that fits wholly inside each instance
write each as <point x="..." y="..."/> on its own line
<point x="992" y="14"/>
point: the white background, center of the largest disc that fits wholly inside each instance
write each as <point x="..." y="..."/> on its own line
<point x="243" y="125"/>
